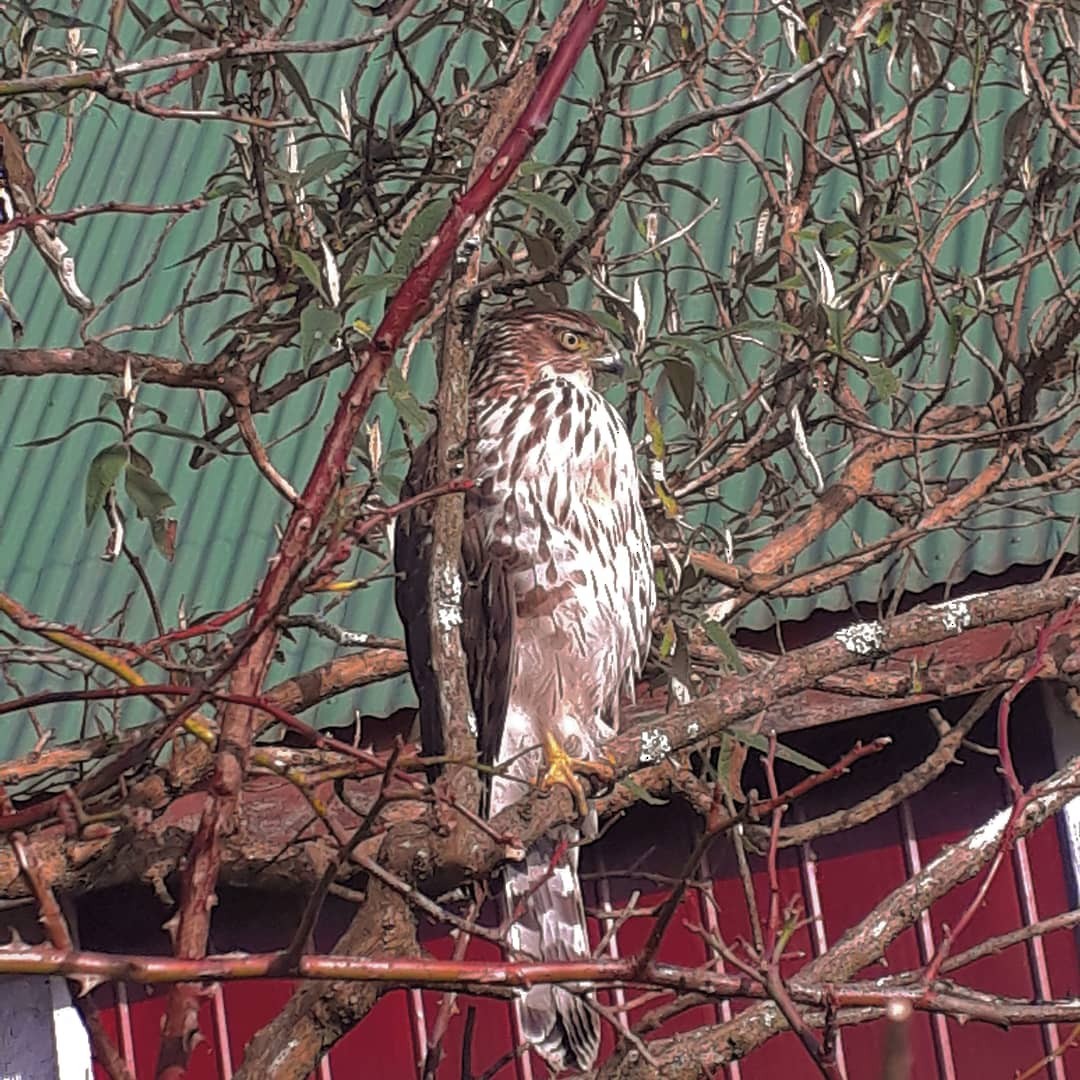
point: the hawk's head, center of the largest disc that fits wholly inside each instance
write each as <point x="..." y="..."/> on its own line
<point x="525" y="346"/>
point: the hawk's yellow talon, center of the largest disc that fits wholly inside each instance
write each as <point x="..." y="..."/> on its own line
<point x="563" y="769"/>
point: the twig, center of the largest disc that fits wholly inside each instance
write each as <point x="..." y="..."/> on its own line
<point x="914" y="780"/>
<point x="777" y="935"/>
<point x="1020" y="798"/>
<point x="1070" y="1040"/>
<point x="491" y="977"/>
<point x="672" y="901"/>
<point x="447" y="1009"/>
<point x="1000" y="942"/>
<point x="148" y="587"/>
<point x="100" y="78"/>
<point x="26" y="221"/>
<point x="57" y="931"/>
<point x="313" y="908"/>
<point x="246" y="426"/>
<point x="1054" y="626"/>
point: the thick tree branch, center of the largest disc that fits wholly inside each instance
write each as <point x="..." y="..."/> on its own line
<point x="94" y="359"/>
<point x="933" y="657"/>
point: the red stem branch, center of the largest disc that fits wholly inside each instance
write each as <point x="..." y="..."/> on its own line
<point x="237" y="729"/>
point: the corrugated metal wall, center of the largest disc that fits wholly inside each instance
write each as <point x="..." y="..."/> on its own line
<point x="51" y="563"/>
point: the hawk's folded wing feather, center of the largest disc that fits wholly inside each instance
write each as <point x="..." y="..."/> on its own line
<point x="488" y="615"/>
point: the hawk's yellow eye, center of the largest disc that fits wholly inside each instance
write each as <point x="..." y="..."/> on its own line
<point x="569" y="340"/>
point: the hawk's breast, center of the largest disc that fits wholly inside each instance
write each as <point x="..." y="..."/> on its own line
<point x="557" y="503"/>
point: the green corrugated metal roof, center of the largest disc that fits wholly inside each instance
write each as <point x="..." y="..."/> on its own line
<point x="52" y="564"/>
<point x="49" y="560"/>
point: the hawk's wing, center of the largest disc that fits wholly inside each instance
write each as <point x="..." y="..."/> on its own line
<point x="488" y="632"/>
<point x="488" y="620"/>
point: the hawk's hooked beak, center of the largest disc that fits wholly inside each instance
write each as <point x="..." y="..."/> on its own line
<point x="610" y="362"/>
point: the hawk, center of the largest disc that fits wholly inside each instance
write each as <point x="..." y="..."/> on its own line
<point x="557" y="600"/>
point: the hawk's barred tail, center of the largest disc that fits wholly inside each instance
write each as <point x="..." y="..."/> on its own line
<point x="556" y="1020"/>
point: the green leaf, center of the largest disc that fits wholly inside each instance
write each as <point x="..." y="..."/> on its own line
<point x="667" y="643"/>
<point x="419" y="230"/>
<point x="140" y="409"/>
<point x="730" y="761"/>
<point x="306" y="265"/>
<point x="140" y="462"/>
<point x="361" y="286"/>
<point x="959" y="314"/>
<point x="891" y="252"/>
<point x="541" y="251"/>
<point x="722" y="640"/>
<point x="226" y="188"/>
<point x="757" y="741"/>
<point x="295" y="80"/>
<point x="150" y="498"/>
<point x="760" y="326"/>
<point x="899" y="316"/>
<point x="682" y="378"/>
<point x="102" y="474"/>
<point x="58" y="20"/>
<point x="640" y="793"/>
<point x="551" y="208"/>
<point x="198" y="86"/>
<point x="655" y="431"/>
<point x="608" y="322"/>
<point x="400" y="393"/>
<point x="883" y="379"/>
<point x="318" y="327"/>
<point x="884" y="34"/>
<point x="159" y="28"/>
<point x="684" y="343"/>
<point x="68" y="430"/>
<point x="837" y="319"/>
<point x="323" y="164"/>
<point x="835" y="229"/>
<point x="1008" y="219"/>
<point x="796" y="281"/>
<point x="754" y="269"/>
<point x="214" y="449"/>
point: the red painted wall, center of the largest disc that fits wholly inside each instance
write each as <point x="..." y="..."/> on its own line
<point x="846" y="873"/>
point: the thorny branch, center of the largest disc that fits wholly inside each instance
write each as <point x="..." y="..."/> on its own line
<point x="237" y="730"/>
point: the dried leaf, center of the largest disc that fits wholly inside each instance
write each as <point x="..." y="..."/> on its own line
<point x="150" y="498"/>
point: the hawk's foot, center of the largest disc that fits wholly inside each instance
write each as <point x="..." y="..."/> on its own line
<point x="564" y="769"/>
